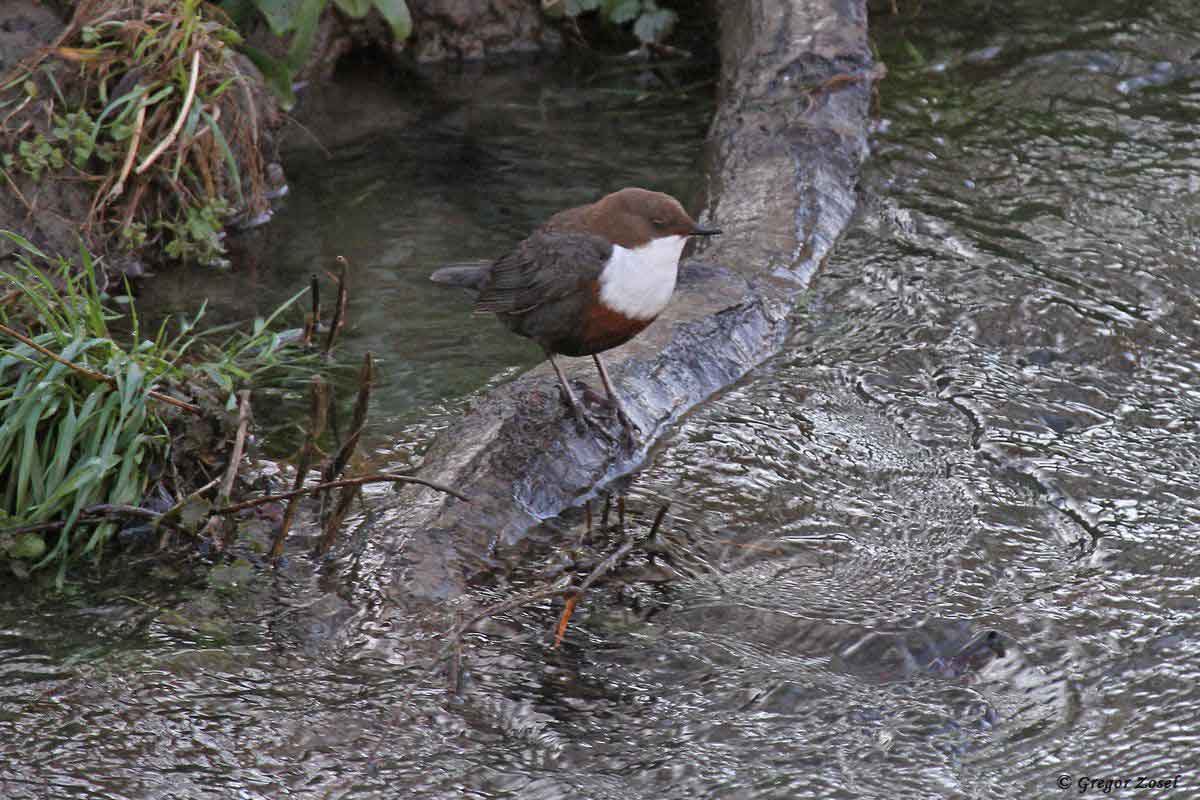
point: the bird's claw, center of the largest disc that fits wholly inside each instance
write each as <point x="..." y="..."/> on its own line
<point x="584" y="419"/>
<point x="612" y="408"/>
<point x="629" y="431"/>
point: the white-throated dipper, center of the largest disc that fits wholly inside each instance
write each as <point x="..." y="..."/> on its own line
<point x="591" y="278"/>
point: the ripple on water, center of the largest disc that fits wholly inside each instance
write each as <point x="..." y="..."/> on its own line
<point x="942" y="546"/>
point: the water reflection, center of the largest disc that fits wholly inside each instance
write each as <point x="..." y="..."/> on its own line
<point x="939" y="547"/>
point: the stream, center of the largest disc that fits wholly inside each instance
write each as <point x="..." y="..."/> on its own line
<point x="941" y="545"/>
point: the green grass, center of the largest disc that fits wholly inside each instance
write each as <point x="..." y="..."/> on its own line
<point x="69" y="440"/>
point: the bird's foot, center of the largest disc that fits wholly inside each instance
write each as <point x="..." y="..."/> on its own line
<point x="630" y="433"/>
<point x="585" y="419"/>
<point x="591" y="397"/>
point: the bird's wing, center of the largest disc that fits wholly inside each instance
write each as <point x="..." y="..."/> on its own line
<point x="543" y="268"/>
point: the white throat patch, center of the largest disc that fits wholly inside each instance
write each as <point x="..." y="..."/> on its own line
<point x="638" y="283"/>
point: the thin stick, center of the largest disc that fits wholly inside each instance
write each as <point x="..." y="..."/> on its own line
<point x="134" y="141"/>
<point x="499" y="608"/>
<point x="339" y="309"/>
<point x="96" y="376"/>
<point x="561" y="629"/>
<point x="239" y="442"/>
<point x="337" y="465"/>
<point x="601" y="568"/>
<point x="662" y="513"/>
<point x="183" y="112"/>
<point x="604" y="514"/>
<point x="573" y="598"/>
<point x="607" y="564"/>
<point x="316" y="426"/>
<point x="16" y="190"/>
<point x="334" y="523"/>
<point x="366" y="379"/>
<point x="621" y="513"/>
<point x="222" y="529"/>
<point x="15" y="111"/>
<point x="314" y="320"/>
<point x="321" y="487"/>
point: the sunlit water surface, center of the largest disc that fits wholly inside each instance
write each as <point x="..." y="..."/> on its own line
<point x="944" y="545"/>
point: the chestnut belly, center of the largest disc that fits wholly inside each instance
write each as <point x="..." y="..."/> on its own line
<point x="602" y="329"/>
<point x="580" y="329"/>
<point x="575" y="323"/>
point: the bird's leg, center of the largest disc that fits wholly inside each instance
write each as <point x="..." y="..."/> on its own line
<point x="630" y="429"/>
<point x="581" y="414"/>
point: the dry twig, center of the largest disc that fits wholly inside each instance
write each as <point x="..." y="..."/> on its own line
<point x="239" y="442"/>
<point x="316" y="426"/>
<point x="603" y="567"/>
<point x="134" y="141"/>
<point x="183" y="112"/>
<point x="382" y="477"/>
<point x="337" y="465"/>
<point x="339" y="309"/>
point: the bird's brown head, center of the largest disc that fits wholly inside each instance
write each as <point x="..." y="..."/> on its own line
<point x="635" y="217"/>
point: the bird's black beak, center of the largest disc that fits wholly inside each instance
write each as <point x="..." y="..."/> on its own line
<point x="702" y="231"/>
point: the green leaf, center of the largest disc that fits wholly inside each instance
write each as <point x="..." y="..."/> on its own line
<point x="241" y="12"/>
<point x="29" y="452"/>
<point x="355" y="8"/>
<point x="24" y="244"/>
<point x="282" y="15"/>
<point x="654" y="26"/>
<point x="130" y="480"/>
<point x="82" y="481"/>
<point x="397" y="16"/>
<point x="622" y="11"/>
<point x="66" y="442"/>
<point x="227" y="153"/>
<point x="101" y="534"/>
<point x="27" y="546"/>
<point x="307" y="18"/>
<point x="914" y="53"/>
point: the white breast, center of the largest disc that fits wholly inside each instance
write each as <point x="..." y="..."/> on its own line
<point x="639" y="282"/>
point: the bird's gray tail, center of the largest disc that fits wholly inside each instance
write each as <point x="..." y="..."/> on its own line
<point x="467" y="274"/>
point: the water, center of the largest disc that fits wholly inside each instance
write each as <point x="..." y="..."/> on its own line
<point x="942" y="546"/>
<point x="402" y="173"/>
